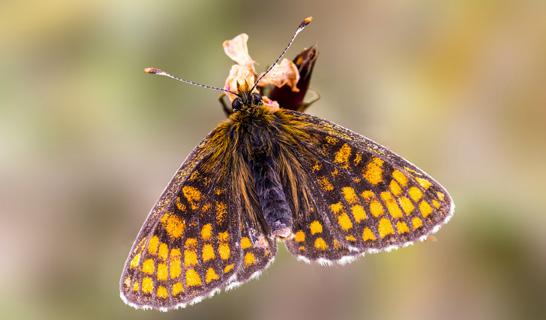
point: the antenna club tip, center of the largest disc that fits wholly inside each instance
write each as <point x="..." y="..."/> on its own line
<point x="306" y="21"/>
<point x="152" y="70"/>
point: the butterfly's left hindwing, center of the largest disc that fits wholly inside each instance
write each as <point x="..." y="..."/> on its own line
<point x="258" y="252"/>
<point x="189" y="246"/>
<point x="369" y="198"/>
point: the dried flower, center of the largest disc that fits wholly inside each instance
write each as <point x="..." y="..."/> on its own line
<point x="243" y="74"/>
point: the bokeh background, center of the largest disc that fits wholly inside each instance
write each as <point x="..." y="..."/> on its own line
<point x="88" y="142"/>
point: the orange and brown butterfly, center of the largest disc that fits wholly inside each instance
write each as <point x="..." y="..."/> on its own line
<point x="270" y="174"/>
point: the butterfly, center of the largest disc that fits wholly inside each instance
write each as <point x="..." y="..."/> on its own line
<point x="269" y="174"/>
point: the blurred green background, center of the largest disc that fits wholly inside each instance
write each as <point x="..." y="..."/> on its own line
<point x="88" y="142"/>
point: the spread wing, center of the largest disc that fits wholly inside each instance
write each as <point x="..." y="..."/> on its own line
<point x="189" y="245"/>
<point x="364" y="197"/>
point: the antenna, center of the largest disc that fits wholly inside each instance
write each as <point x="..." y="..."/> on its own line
<point x="160" y="72"/>
<point x="300" y="28"/>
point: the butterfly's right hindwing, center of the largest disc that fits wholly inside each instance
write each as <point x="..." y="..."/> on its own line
<point x="189" y="246"/>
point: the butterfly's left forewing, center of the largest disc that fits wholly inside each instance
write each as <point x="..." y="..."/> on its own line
<point x="189" y="246"/>
<point x="369" y="198"/>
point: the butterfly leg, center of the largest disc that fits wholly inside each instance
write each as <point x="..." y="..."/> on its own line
<point x="225" y="106"/>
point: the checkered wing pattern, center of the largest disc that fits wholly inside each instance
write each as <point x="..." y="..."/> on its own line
<point x="189" y="246"/>
<point x="366" y="198"/>
<point x="258" y="252"/>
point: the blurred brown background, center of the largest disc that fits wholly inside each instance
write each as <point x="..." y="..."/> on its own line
<point x="88" y="142"/>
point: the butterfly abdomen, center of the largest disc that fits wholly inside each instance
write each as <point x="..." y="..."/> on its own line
<point x="270" y="193"/>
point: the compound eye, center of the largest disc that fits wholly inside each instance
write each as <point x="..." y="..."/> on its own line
<point x="237" y="104"/>
<point x="256" y="99"/>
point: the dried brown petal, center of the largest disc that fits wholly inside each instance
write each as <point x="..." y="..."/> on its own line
<point x="305" y="61"/>
<point x="285" y="73"/>
<point x="238" y="75"/>
<point x="237" y="50"/>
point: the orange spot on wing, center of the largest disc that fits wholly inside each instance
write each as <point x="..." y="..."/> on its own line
<point x="415" y="194"/>
<point x="162" y="271"/>
<point x="374" y="171"/>
<point x="336" y="207"/>
<point x="162" y="292"/>
<point x="211" y="275"/>
<point x="406" y="205"/>
<point x="190" y="258"/>
<point x="173" y="225"/>
<point x="147" y="285"/>
<point x="416" y="222"/>
<point x="175" y="253"/>
<point x="368" y="195"/>
<point x="385" y="227"/>
<point x="342" y="155"/>
<point x="367" y="234"/>
<point x="245" y="243"/>
<point x="207" y="252"/>
<point x="344" y="221"/>
<point x="423" y="182"/>
<point x="153" y="244"/>
<point x="358" y="159"/>
<point x="175" y="265"/>
<point x="376" y="208"/>
<point x="221" y="211"/>
<point x="392" y="207"/>
<point x="192" y="195"/>
<point x="315" y="227"/>
<point x="331" y="140"/>
<point x="223" y="236"/>
<point x="425" y="208"/>
<point x="206" y="207"/>
<point x="320" y="244"/>
<point x="177" y="288"/>
<point x="229" y="268"/>
<point x="402" y="227"/>
<point x="358" y="213"/>
<point x="135" y="261"/>
<point x="206" y="231"/>
<point x="250" y="259"/>
<point x="192" y="278"/>
<point x="400" y="177"/>
<point x="350" y="195"/>
<point x="325" y="184"/>
<point x="223" y="250"/>
<point x="299" y="236"/>
<point x="395" y="188"/>
<point x="163" y="252"/>
<point x="148" y="266"/>
<point x="191" y="243"/>
<point x="180" y="205"/>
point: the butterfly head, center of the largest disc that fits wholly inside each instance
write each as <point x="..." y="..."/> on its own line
<point x="246" y="98"/>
